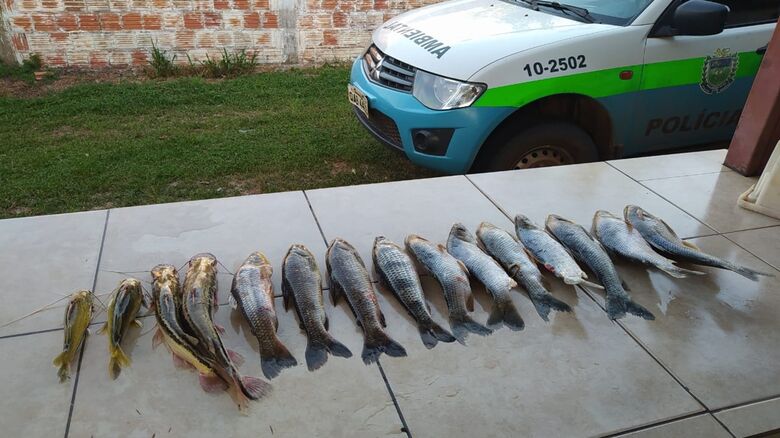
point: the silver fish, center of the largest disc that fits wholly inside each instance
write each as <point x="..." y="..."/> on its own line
<point x="550" y="253"/>
<point x="463" y="246"/>
<point x="513" y="257"/>
<point x="252" y="293"/>
<point x="397" y="272"/>
<point x="590" y="252"/>
<point x="302" y="286"/>
<point x="661" y="236"/>
<point x="348" y="277"/>
<point x="452" y="275"/>
<point x="620" y="237"/>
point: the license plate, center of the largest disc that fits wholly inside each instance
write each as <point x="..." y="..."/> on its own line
<point x="357" y="98"/>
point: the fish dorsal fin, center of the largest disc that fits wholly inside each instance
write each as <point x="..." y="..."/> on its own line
<point x="691" y="245"/>
<point x="668" y="229"/>
<point x="470" y="302"/>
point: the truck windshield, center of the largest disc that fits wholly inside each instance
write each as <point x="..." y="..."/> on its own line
<point x="620" y="12"/>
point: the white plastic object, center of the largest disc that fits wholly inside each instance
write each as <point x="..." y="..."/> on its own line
<point x="764" y="196"/>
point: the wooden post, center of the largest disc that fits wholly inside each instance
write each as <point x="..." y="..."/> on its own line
<point x="758" y="129"/>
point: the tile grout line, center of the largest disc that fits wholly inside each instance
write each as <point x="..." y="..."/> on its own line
<point x="37" y="332"/>
<point x="84" y="343"/>
<point x="379" y="365"/>
<point x="750" y="252"/>
<point x="747" y="403"/>
<point x="664" y="198"/>
<point x="652" y="425"/>
<point x="664" y="367"/>
<point x="495" y="204"/>
<point x="316" y="220"/>
<point x="681" y="176"/>
<point x="395" y="401"/>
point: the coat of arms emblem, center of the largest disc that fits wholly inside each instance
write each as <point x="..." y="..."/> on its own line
<point x="718" y="71"/>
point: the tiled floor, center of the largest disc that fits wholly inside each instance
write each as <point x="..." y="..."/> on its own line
<point x="707" y="366"/>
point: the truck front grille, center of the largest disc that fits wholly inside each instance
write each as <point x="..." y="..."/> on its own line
<point x="388" y="71"/>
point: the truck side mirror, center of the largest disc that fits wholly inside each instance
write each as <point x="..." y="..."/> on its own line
<point x="700" y="17"/>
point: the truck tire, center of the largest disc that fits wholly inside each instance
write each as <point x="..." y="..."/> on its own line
<point x="540" y="145"/>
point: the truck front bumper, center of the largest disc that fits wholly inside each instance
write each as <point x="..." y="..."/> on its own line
<point x="395" y="115"/>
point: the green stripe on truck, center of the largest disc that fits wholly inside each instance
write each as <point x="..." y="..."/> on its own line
<point x="603" y="83"/>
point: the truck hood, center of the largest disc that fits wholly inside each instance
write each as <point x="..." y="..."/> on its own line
<point x="458" y="38"/>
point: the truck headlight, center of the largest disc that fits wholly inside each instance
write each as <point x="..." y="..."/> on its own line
<point x="440" y="93"/>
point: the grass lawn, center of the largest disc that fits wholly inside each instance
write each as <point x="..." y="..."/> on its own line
<point x="99" y="145"/>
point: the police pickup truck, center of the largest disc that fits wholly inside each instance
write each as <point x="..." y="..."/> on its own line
<point x="500" y="84"/>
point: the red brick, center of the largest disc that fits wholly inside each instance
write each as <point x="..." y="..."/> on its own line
<point x="365" y="5"/>
<point x="329" y="5"/>
<point x="206" y="40"/>
<point x="193" y="20"/>
<point x="152" y="22"/>
<point x="261" y="4"/>
<point x="380" y="5"/>
<point x="132" y="21"/>
<point x="252" y="20"/>
<point x="139" y="57"/>
<point x="212" y="19"/>
<point x="98" y="59"/>
<point x="67" y="22"/>
<point x="44" y="23"/>
<point x="241" y="5"/>
<point x="339" y="19"/>
<point x="263" y="40"/>
<point x="110" y="21"/>
<point x="270" y="20"/>
<point x="23" y="22"/>
<point x="329" y="38"/>
<point x="9" y="4"/>
<point x="54" y="60"/>
<point x="75" y="5"/>
<point x="28" y="5"/>
<point x="185" y="39"/>
<point x="20" y="42"/>
<point x="161" y="4"/>
<point x="59" y="37"/>
<point x="221" y="4"/>
<point x="89" y="22"/>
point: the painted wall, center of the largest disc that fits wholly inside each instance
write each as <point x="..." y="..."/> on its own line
<point x="102" y="33"/>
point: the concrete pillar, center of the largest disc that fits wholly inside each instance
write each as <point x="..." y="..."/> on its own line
<point x="758" y="129"/>
<point x="7" y="54"/>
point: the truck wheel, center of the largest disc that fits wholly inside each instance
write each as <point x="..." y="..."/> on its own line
<point x="541" y="145"/>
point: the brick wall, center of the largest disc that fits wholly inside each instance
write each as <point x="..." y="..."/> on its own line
<point x="101" y="33"/>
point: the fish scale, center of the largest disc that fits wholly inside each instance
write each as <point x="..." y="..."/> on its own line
<point x="453" y="278"/>
<point x="349" y="277"/>
<point x="662" y="237"/>
<point x="463" y="246"/>
<point x="398" y="273"/>
<point x="512" y="256"/>
<point x="252" y="293"/>
<point x="588" y="251"/>
<point x="621" y="238"/>
<point x="302" y="286"/>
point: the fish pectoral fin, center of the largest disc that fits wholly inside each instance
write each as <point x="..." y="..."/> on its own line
<point x="180" y="363"/>
<point x="381" y="316"/>
<point x="219" y="328"/>
<point x="103" y="329"/>
<point x="335" y="290"/>
<point x="625" y="285"/>
<point x="691" y="245"/>
<point x="232" y="301"/>
<point x="549" y="267"/>
<point x="157" y="339"/>
<point x="470" y="302"/>
<point x="212" y="384"/>
<point x="463" y="267"/>
<point x="276" y="323"/>
<point x="325" y="322"/>
<point x="138" y="323"/>
<point x="236" y="357"/>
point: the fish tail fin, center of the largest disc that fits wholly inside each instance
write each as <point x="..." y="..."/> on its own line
<point x="747" y="272"/>
<point x="317" y="352"/>
<point x="590" y="284"/>
<point x="463" y="325"/>
<point x="619" y="305"/>
<point x="379" y="342"/>
<point x="249" y="388"/>
<point x="275" y="357"/>
<point x="431" y="333"/>
<point x="62" y="362"/>
<point x="117" y="361"/>
<point x="544" y="302"/>
<point x="505" y="311"/>
<point x="678" y="272"/>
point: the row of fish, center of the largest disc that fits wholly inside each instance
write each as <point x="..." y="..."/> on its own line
<point x="499" y="260"/>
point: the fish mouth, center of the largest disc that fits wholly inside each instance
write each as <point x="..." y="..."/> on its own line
<point x="300" y="250"/>
<point x="256" y="258"/>
<point x="163" y="270"/>
<point x="605" y="213"/>
<point x="631" y="210"/>
<point x="203" y="258"/>
<point x="341" y="243"/>
<point x="484" y="226"/>
<point x="522" y="221"/>
<point x="130" y="282"/>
